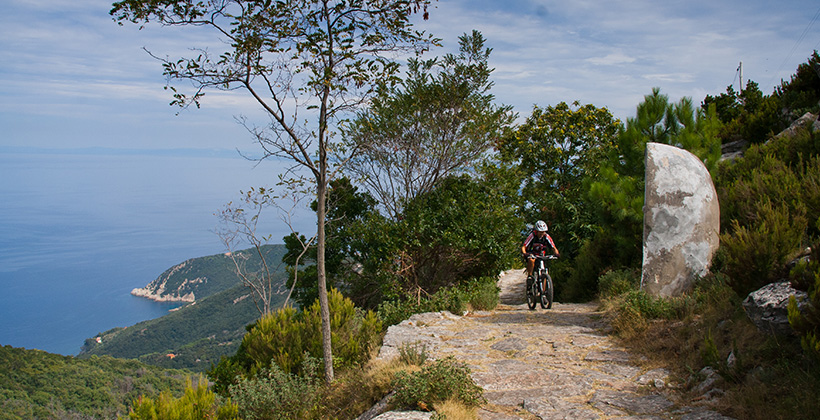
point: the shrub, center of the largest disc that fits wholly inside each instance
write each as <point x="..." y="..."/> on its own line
<point x="198" y="403"/>
<point x="436" y="383"/>
<point x="807" y="322"/>
<point x="484" y="294"/>
<point x="450" y="299"/>
<point x="616" y="282"/>
<point x="275" y="394"/>
<point x="413" y="353"/>
<point x="756" y="256"/>
<point x="276" y="337"/>
<point x="595" y="257"/>
<point x="354" y="333"/>
<point x="286" y="336"/>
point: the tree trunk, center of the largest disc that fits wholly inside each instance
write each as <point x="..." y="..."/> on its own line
<point x="321" y="194"/>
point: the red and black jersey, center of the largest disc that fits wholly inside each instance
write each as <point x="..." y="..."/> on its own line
<point x="539" y="246"/>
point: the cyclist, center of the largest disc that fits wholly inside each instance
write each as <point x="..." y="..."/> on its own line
<point x="538" y="242"/>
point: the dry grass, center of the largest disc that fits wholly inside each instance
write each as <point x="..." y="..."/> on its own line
<point x="455" y="410"/>
<point x="357" y="389"/>
<point x="770" y="378"/>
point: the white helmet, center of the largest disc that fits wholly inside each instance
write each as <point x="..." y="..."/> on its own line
<point x="540" y="226"/>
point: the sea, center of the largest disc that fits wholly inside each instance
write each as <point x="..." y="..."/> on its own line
<point x="80" y="230"/>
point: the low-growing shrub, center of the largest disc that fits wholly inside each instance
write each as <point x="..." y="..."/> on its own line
<point x="446" y="299"/>
<point x="198" y="403"/>
<point x="286" y="336"/>
<point x="274" y="394"/>
<point x="435" y="383"/>
<point x="807" y="322"/>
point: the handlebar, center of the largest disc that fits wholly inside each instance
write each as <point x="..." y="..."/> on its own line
<point x="543" y="257"/>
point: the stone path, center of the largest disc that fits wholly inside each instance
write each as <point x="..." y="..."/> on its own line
<point x="548" y="364"/>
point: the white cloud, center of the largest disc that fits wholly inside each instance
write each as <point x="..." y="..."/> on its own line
<point x="611" y="59"/>
<point x="68" y="56"/>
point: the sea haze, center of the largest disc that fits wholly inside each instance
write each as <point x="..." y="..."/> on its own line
<point x="79" y="231"/>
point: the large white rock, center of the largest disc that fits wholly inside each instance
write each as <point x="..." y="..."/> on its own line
<point x="681" y="220"/>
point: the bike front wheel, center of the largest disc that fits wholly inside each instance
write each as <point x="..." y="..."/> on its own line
<point x="547" y="294"/>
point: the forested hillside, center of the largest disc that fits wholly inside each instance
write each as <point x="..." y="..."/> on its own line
<point x="197" y="334"/>
<point x="39" y="385"/>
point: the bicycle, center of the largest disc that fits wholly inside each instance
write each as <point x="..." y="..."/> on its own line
<point x="536" y="290"/>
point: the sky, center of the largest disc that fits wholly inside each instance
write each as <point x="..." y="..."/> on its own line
<point x="74" y="79"/>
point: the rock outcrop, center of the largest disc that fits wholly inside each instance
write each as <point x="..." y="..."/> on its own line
<point x="159" y="291"/>
<point x="681" y="220"/>
<point x="767" y="307"/>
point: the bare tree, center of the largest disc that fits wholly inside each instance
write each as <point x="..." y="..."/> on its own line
<point x="239" y="225"/>
<point x="322" y="56"/>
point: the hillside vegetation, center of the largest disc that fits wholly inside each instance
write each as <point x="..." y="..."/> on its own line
<point x="39" y="385"/>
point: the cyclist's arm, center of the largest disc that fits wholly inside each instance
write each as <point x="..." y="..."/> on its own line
<point x="526" y="244"/>
<point x="554" y="248"/>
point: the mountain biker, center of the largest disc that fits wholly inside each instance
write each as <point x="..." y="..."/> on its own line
<point x="538" y="242"/>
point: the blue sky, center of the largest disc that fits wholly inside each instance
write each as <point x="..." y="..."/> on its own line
<point x="73" y="78"/>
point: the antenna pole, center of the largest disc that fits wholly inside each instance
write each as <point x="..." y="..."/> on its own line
<point x="740" y="70"/>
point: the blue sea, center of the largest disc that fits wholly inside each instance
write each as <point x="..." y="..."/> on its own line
<point x="79" y="231"/>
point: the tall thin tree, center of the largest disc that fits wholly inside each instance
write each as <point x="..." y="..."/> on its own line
<point x="322" y="56"/>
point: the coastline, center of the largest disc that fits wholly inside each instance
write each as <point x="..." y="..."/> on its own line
<point x="145" y="292"/>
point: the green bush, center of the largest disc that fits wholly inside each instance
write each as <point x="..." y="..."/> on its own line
<point x="595" y="257"/>
<point x="276" y="337"/>
<point x="435" y="383"/>
<point x="806" y="276"/>
<point x="484" y="293"/>
<point x="757" y="255"/>
<point x="286" y="336"/>
<point x="198" y="403"/>
<point x="452" y="299"/>
<point x="649" y="307"/>
<point x="616" y="282"/>
<point x="274" y="394"/>
<point x="354" y="333"/>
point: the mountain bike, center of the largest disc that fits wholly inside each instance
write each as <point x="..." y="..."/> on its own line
<point x="541" y="289"/>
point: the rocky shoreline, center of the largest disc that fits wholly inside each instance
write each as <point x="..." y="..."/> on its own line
<point x="145" y="292"/>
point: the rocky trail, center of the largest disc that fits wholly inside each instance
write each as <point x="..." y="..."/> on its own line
<point x="549" y="364"/>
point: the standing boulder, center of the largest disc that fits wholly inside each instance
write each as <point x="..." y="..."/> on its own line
<point x="681" y="220"/>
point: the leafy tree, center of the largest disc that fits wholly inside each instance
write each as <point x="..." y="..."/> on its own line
<point x="326" y="55"/>
<point x="438" y="122"/>
<point x="802" y="92"/>
<point x="459" y="231"/>
<point x="554" y="151"/>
